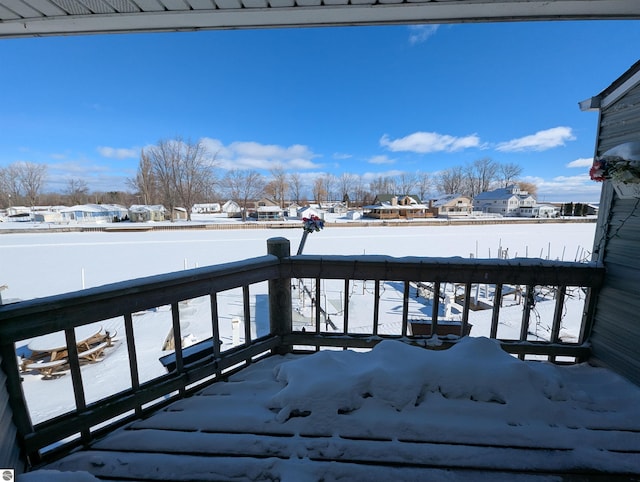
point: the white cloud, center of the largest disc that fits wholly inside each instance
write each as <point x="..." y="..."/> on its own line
<point x="215" y="147"/>
<point x="253" y="155"/>
<point x="540" y="141"/>
<point x="370" y="176"/>
<point x="381" y="160"/>
<point x="579" y="188"/>
<point x="582" y="162"/>
<point x="341" y="156"/>
<point x="99" y="176"/>
<point x="421" y="33"/>
<point x="426" y="142"/>
<point x="269" y="151"/>
<point x="118" y="153"/>
<point x="79" y="167"/>
<point x="301" y="164"/>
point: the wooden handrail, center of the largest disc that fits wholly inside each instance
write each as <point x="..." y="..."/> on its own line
<point x="27" y="319"/>
<point x="525" y="271"/>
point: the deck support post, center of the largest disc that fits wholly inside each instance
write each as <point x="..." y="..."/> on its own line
<point x="280" y="319"/>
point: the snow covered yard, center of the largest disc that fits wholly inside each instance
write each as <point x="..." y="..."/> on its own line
<point x="397" y="412"/>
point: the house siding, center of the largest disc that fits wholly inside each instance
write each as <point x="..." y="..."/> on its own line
<point x="615" y="334"/>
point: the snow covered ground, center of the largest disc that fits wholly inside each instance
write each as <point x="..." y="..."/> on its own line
<point x="37" y="264"/>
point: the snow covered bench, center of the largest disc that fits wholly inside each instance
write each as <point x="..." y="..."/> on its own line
<point x="46" y="368"/>
<point x="93" y="354"/>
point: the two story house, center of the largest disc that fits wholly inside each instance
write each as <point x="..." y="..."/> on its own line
<point x="508" y="201"/>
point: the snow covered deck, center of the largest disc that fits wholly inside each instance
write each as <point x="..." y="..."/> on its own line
<point x="398" y="412"/>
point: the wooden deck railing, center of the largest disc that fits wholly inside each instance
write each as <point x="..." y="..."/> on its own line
<point x="191" y="368"/>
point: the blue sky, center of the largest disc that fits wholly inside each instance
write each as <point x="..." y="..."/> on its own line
<point x="365" y="100"/>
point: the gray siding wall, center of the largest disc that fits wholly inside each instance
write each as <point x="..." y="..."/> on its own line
<point x="615" y="335"/>
<point x="9" y="450"/>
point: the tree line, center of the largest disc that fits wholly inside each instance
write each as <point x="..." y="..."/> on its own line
<point x="22" y="184"/>
<point x="181" y="173"/>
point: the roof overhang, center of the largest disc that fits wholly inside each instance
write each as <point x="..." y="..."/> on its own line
<point x="615" y="91"/>
<point x="34" y="18"/>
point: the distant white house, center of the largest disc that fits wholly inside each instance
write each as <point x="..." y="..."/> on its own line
<point x="232" y="209"/>
<point x="94" y="213"/>
<point x="206" y="208"/>
<point x="291" y="210"/>
<point x="142" y="213"/>
<point x="339" y="208"/>
<point x="539" y="211"/>
<point x="508" y="201"/>
<point x="47" y="217"/>
<point x="308" y="211"/>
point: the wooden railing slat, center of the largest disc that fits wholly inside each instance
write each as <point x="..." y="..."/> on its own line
<point x="497" y="304"/>
<point x="405" y="308"/>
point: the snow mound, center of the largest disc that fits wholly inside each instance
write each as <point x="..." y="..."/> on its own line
<point x="400" y="375"/>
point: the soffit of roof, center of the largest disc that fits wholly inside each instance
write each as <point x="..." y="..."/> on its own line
<point x="33" y="18"/>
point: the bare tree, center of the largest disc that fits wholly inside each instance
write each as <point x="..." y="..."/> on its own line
<point x="145" y="183"/>
<point x="406" y="183"/>
<point x="319" y="191"/>
<point x="509" y="173"/>
<point x="30" y="178"/>
<point x="424" y="185"/>
<point x="480" y="175"/>
<point x="329" y="185"/>
<point x="382" y="185"/>
<point x="52" y="199"/>
<point x="183" y="170"/>
<point x="346" y="182"/>
<point x="12" y="184"/>
<point x="5" y="195"/>
<point x="243" y="186"/>
<point x="77" y="191"/>
<point x="196" y="176"/>
<point x="279" y="185"/>
<point x="451" y="181"/>
<point x="529" y="187"/>
<point x="295" y="187"/>
<point x="360" y="191"/>
<point x="165" y="158"/>
<point x="115" y="197"/>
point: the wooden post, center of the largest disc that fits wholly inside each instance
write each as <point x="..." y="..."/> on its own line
<point x="280" y="319"/>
